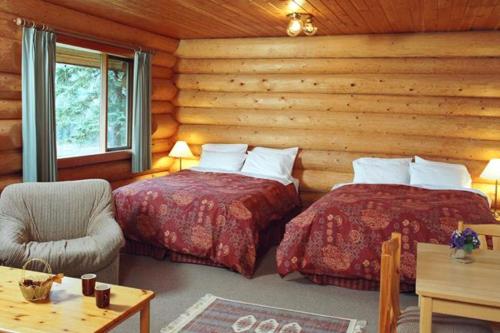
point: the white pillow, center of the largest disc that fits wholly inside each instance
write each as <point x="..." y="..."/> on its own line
<point x="226" y="148"/>
<point x="425" y="172"/>
<point x="420" y="160"/>
<point x="372" y="170"/>
<point x="222" y="160"/>
<point x="271" y="162"/>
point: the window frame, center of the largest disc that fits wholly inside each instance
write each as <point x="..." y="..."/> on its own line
<point x="130" y="87"/>
<point x="103" y="114"/>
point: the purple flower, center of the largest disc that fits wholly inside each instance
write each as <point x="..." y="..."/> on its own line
<point x="467" y="240"/>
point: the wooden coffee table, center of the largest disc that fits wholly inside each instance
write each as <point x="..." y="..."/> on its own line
<point x="448" y="287"/>
<point x="68" y="310"/>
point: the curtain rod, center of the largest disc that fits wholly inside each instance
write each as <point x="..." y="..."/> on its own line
<point x="28" y="23"/>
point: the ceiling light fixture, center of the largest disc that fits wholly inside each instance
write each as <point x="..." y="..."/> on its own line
<point x="295" y="26"/>
<point x="300" y="22"/>
<point x="309" y="28"/>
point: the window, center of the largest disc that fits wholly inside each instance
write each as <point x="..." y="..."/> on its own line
<point x="93" y="102"/>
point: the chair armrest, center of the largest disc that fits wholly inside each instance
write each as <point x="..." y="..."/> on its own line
<point x="14" y="235"/>
<point x="106" y="233"/>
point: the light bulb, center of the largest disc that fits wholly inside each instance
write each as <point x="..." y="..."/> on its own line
<point x="309" y="28"/>
<point x="295" y="26"/>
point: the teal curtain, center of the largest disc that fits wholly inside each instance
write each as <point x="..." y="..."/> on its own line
<point x="141" y="119"/>
<point x="39" y="125"/>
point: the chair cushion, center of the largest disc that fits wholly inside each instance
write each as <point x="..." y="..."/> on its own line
<point x="409" y="323"/>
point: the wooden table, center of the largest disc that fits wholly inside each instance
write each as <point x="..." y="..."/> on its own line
<point x="68" y="310"/>
<point x="448" y="287"/>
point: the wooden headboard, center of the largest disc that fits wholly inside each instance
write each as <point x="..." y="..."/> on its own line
<point x="436" y="95"/>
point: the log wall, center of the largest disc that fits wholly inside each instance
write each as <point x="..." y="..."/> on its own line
<point x="115" y="167"/>
<point x="341" y="97"/>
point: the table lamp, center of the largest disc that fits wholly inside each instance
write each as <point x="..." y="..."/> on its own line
<point x="492" y="172"/>
<point x="181" y="150"/>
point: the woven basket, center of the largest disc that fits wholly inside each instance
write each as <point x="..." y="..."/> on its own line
<point x="39" y="285"/>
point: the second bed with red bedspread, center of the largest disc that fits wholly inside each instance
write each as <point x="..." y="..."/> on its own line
<point x="218" y="218"/>
<point x="338" y="239"/>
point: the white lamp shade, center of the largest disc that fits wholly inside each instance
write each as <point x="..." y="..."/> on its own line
<point x="492" y="170"/>
<point x="181" y="150"/>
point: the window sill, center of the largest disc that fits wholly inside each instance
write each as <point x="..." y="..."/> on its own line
<point x="76" y="161"/>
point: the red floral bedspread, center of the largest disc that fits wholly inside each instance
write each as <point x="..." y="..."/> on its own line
<point x="208" y="215"/>
<point x="339" y="237"/>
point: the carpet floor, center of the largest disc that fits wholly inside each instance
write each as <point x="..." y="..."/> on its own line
<point x="178" y="286"/>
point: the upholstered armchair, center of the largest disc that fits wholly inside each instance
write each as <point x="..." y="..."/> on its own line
<point x="69" y="224"/>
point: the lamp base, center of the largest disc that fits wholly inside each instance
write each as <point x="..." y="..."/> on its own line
<point x="496" y="212"/>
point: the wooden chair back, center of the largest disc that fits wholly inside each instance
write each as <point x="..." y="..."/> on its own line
<point x="389" y="309"/>
<point x="483" y="231"/>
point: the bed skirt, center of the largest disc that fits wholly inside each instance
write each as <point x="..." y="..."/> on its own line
<point x="356" y="284"/>
<point x="144" y="249"/>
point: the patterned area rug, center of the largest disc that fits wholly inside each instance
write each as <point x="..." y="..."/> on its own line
<point x="214" y="314"/>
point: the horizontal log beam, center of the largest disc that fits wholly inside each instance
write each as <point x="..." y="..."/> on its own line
<point x="349" y="141"/>
<point x="109" y="171"/>
<point x="163" y="90"/>
<point x="76" y="21"/>
<point x="320" y="180"/>
<point x="449" y="106"/>
<point x="163" y="126"/>
<point x="8" y="29"/>
<point x="10" y="134"/>
<point x="10" y="109"/>
<point x="158" y="107"/>
<point x="11" y="161"/>
<point x="450" y="44"/>
<point x="10" y="86"/>
<point x="160" y="72"/>
<point x="164" y="59"/>
<point x="10" y="56"/>
<point x="459" y="66"/>
<point x="459" y="127"/>
<point x="386" y="84"/>
<point x="10" y="179"/>
<point x="162" y="145"/>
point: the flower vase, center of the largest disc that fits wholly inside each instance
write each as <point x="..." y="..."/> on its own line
<point x="461" y="255"/>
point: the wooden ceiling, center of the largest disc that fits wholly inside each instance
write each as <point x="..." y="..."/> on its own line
<point x="185" y="19"/>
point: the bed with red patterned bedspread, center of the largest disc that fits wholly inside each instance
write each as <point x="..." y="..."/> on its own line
<point x="337" y="240"/>
<point x="219" y="218"/>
